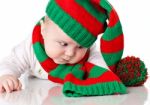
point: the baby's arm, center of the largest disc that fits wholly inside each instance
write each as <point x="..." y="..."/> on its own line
<point x="14" y="65"/>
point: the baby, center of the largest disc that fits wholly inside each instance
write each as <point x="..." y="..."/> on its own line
<point x="62" y="50"/>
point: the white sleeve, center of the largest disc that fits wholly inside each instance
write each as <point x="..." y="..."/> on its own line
<point x="19" y="60"/>
<point x="96" y="57"/>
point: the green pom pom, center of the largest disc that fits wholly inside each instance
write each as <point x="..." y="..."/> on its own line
<point x="131" y="71"/>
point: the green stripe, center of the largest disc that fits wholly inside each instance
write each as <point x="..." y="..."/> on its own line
<point x="39" y="52"/>
<point x="101" y="17"/>
<point x="105" y="88"/>
<point x="105" y="4"/>
<point x="69" y="25"/>
<point x="113" y="32"/>
<point x="62" y="70"/>
<point x="112" y="58"/>
<point x="77" y="72"/>
<point x="96" y="71"/>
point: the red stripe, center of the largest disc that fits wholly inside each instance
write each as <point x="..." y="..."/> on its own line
<point x="87" y="67"/>
<point x="112" y="46"/>
<point x="55" y="79"/>
<point x="48" y="65"/>
<point x="113" y="18"/>
<point x="82" y="16"/>
<point x="36" y="35"/>
<point x="96" y="4"/>
<point x="105" y="77"/>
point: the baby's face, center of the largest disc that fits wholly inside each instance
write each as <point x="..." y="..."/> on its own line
<point x="60" y="47"/>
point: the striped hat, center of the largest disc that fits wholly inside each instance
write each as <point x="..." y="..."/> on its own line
<point x="84" y="20"/>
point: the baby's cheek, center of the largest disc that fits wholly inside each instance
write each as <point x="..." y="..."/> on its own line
<point x="53" y="53"/>
<point x="80" y="55"/>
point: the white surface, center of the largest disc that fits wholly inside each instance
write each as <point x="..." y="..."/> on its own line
<point x="16" y="22"/>
<point x="43" y="92"/>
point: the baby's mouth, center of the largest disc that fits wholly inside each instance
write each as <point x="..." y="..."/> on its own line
<point x="65" y="60"/>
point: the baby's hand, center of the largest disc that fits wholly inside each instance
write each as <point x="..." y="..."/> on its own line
<point x="9" y="83"/>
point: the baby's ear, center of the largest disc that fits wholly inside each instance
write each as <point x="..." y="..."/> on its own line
<point x="46" y="19"/>
<point x="42" y="27"/>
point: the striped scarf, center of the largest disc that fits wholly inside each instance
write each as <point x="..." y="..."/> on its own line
<point x="81" y="79"/>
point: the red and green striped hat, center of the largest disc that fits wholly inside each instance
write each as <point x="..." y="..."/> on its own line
<point x="84" y="20"/>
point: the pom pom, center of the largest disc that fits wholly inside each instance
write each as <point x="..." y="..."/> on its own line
<point x="131" y="71"/>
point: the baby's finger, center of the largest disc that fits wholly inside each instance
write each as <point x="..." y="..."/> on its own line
<point x="15" y="82"/>
<point x="11" y="84"/>
<point x="20" y="86"/>
<point x="6" y="87"/>
<point x="1" y="89"/>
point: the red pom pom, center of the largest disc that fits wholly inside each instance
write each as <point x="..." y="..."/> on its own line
<point x="131" y="71"/>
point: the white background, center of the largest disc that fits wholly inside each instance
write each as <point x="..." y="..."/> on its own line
<point x="17" y="18"/>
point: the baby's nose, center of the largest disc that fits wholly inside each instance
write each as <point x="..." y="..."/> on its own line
<point x="70" y="53"/>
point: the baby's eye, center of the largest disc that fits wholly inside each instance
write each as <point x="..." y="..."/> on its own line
<point x="80" y="47"/>
<point x="63" y="44"/>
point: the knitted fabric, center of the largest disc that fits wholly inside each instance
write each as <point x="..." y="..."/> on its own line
<point x="131" y="71"/>
<point x="83" y="21"/>
<point x="80" y="79"/>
